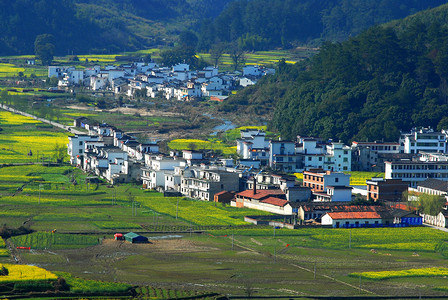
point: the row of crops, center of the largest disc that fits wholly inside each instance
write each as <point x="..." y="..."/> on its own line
<point x="159" y="293"/>
<point x="48" y="240"/>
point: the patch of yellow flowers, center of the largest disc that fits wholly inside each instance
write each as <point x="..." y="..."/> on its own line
<point x="13" y="119"/>
<point x="25" y="273"/>
<point x="424" y="272"/>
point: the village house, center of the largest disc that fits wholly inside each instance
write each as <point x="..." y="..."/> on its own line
<point x="414" y="172"/>
<point x="380" y="189"/>
<point x="367" y="156"/>
<point x="154" y="174"/>
<point x="371" y="216"/>
<point x="423" y="139"/>
<point x="203" y="183"/>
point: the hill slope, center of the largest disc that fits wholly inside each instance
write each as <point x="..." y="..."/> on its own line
<point x="109" y="26"/>
<point x="388" y="78"/>
<point x="265" y="24"/>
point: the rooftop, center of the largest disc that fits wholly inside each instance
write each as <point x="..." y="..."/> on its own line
<point x="260" y="194"/>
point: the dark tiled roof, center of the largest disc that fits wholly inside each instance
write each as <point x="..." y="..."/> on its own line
<point x="434" y="184"/>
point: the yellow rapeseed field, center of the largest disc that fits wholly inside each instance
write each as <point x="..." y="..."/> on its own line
<point x="13" y="119"/>
<point x="423" y="272"/>
<point x="25" y="273"/>
<point x="15" y="145"/>
<point x="9" y="70"/>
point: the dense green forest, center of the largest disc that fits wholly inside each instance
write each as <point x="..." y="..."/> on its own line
<point x="100" y="26"/>
<point x="265" y="24"/>
<point x="112" y="26"/>
<point x="388" y="78"/>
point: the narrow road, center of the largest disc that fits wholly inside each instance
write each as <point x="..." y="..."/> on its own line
<point x="59" y="125"/>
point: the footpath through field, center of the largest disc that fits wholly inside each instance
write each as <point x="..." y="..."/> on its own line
<point x="59" y="125"/>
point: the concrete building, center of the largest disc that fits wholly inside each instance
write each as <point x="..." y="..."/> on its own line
<point x="203" y="184"/>
<point x="380" y="189"/>
<point x="318" y="179"/>
<point x="367" y="156"/>
<point x="424" y="139"/>
<point x="416" y="171"/>
<point x="76" y="145"/>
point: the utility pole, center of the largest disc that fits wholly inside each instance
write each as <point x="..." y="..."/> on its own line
<point x="360" y="284"/>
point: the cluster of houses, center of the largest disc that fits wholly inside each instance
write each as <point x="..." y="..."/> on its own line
<point x="259" y="179"/>
<point x="150" y="80"/>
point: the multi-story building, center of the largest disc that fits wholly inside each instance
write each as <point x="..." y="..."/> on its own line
<point x="203" y="184"/>
<point x="380" y="189"/>
<point x="367" y="156"/>
<point x="425" y="139"/>
<point x="253" y="145"/>
<point x="318" y="179"/>
<point x="76" y="146"/>
<point x="416" y="171"/>
<point x="154" y="175"/>
<point x="338" y="157"/>
<point x="282" y="156"/>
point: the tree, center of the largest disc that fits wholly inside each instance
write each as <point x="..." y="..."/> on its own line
<point x="188" y="38"/>
<point x="237" y="56"/>
<point x="180" y="55"/>
<point x="44" y="48"/>
<point x="59" y="152"/>
<point x="216" y="52"/>
<point x="430" y="204"/>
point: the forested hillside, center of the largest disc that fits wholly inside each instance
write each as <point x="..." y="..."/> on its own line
<point x="265" y="24"/>
<point x="388" y="78"/>
<point x="111" y="26"/>
<point x="103" y="26"/>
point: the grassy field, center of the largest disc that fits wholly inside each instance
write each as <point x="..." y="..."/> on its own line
<point x="195" y="144"/>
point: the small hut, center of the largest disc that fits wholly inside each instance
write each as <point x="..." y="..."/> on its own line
<point x="133" y="238"/>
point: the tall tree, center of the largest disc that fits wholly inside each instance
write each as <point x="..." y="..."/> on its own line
<point x="44" y="48"/>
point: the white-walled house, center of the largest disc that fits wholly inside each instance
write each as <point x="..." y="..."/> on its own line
<point x="156" y="167"/>
<point x="334" y="194"/>
<point x="99" y="82"/>
<point x="353" y="219"/>
<point x="76" y="145"/>
<point x="423" y="140"/>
